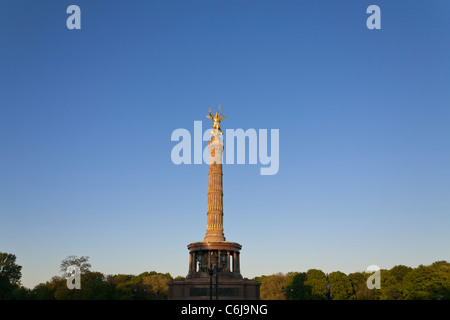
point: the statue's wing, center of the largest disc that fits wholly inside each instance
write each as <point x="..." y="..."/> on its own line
<point x="208" y="116"/>
<point x="221" y="118"/>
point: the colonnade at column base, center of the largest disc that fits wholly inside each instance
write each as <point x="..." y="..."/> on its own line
<point x="224" y="255"/>
<point x="231" y="284"/>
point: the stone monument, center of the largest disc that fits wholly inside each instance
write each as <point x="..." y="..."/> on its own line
<point x="214" y="263"/>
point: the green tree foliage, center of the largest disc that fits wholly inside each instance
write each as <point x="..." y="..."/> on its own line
<point x="340" y="286"/>
<point x="364" y="293"/>
<point x="357" y="280"/>
<point x="428" y="282"/>
<point x="146" y="286"/>
<point x="399" y="272"/>
<point x="47" y="290"/>
<point x="81" y="262"/>
<point x="392" y="283"/>
<point x="56" y="288"/>
<point x="317" y="281"/>
<point x="10" y="274"/>
<point x="93" y="287"/>
<point x="260" y="278"/>
<point x="21" y="293"/>
<point x="272" y="287"/>
<point x="156" y="287"/>
<point x="400" y="282"/>
<point x="125" y="291"/>
<point x="296" y="289"/>
<point x="390" y="286"/>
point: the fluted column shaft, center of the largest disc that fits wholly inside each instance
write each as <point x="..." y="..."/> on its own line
<point x="214" y="225"/>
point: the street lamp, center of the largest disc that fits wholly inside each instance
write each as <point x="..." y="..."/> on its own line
<point x="223" y="260"/>
<point x="140" y="293"/>
<point x="328" y="294"/>
<point x="287" y="293"/>
<point x="395" y="295"/>
<point x="211" y="269"/>
<point x="210" y="272"/>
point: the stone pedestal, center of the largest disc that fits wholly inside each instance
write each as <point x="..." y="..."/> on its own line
<point x="229" y="289"/>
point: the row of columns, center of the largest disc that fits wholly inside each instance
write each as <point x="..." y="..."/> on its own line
<point x="207" y="255"/>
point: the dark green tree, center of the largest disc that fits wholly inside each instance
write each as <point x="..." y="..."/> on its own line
<point x="260" y="278"/>
<point x="271" y="288"/>
<point x="155" y="286"/>
<point x="340" y="286"/>
<point x="47" y="291"/>
<point x="21" y="293"/>
<point x="296" y="289"/>
<point x="390" y="286"/>
<point x="364" y="293"/>
<point x="399" y="272"/>
<point x="125" y="291"/>
<point x="81" y="262"/>
<point x="357" y="279"/>
<point x="317" y="281"/>
<point x="10" y="274"/>
<point x="427" y="283"/>
<point x="441" y="263"/>
<point x="94" y="286"/>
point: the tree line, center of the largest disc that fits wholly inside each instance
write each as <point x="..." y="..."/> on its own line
<point x="94" y="285"/>
<point x="430" y="282"/>
<point x="401" y="282"/>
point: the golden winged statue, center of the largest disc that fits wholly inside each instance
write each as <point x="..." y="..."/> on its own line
<point x="216" y="122"/>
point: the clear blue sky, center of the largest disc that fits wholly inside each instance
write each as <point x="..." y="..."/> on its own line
<point x="86" y="118"/>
